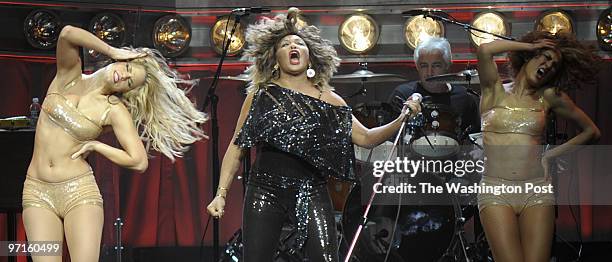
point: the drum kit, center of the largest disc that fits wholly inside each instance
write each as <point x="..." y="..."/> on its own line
<point x="401" y="232"/>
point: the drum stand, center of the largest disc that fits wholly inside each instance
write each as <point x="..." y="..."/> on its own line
<point x="458" y="247"/>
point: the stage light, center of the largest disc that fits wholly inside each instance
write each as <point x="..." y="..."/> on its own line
<point x="171" y="35"/>
<point x="491" y="22"/>
<point x="110" y="28"/>
<point x="358" y="33"/>
<point x="42" y="28"/>
<point x="555" y="22"/>
<point x="604" y="29"/>
<point x="419" y="28"/>
<point x="218" y="33"/>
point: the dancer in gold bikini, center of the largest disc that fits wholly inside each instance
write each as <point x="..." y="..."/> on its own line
<point x="60" y="195"/>
<point x="519" y="227"/>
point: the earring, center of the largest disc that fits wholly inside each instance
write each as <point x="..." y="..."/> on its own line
<point x="310" y="73"/>
<point x="275" y="69"/>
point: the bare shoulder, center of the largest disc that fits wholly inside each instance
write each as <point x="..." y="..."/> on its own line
<point x="331" y="97"/>
<point x="117" y="106"/>
<point x="554" y="98"/>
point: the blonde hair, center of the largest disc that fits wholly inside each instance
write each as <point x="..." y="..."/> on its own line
<point x="263" y="37"/>
<point x="169" y="120"/>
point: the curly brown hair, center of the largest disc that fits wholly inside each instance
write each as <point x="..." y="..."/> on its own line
<point x="578" y="63"/>
<point x="263" y="37"/>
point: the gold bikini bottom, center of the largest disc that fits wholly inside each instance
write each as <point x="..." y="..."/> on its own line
<point x="518" y="201"/>
<point x="61" y="197"/>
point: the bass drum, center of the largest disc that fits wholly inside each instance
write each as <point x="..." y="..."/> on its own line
<point x="423" y="232"/>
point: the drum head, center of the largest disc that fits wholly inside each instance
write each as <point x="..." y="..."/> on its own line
<point x="423" y="233"/>
<point x="443" y="146"/>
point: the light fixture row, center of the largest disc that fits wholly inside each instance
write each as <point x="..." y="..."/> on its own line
<point x="357" y="34"/>
<point x="171" y="33"/>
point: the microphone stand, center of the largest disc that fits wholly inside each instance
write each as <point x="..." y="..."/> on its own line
<point x="364" y="220"/>
<point x="464" y="25"/>
<point x="213" y="99"/>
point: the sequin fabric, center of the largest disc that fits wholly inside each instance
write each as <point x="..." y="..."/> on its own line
<point x="316" y="131"/>
<point x="61" y="197"/>
<point x="304" y="188"/>
<point x="518" y="201"/>
<point x="300" y="140"/>
<point x="64" y="114"/>
<point x="504" y="119"/>
<point x="271" y="200"/>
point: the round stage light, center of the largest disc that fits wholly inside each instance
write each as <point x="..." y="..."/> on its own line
<point x="555" y="22"/>
<point x="604" y="29"/>
<point x="491" y="22"/>
<point x="171" y="35"/>
<point x="358" y="33"/>
<point x="42" y="29"/>
<point x="419" y="28"/>
<point x="219" y="33"/>
<point x="110" y="28"/>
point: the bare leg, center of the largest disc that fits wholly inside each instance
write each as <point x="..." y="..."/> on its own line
<point x="42" y="224"/>
<point x="501" y="227"/>
<point x="83" y="226"/>
<point x="537" y="226"/>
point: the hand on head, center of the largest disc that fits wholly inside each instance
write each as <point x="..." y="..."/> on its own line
<point x="543" y="43"/>
<point x="120" y="54"/>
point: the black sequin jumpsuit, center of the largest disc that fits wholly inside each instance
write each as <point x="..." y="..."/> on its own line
<point x="299" y="141"/>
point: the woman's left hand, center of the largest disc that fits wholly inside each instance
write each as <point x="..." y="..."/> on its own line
<point x="85" y="150"/>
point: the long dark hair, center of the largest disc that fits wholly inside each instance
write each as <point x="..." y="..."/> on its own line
<point x="578" y="63"/>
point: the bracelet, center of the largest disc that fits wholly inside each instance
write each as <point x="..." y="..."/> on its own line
<point x="221" y="189"/>
<point x="221" y="196"/>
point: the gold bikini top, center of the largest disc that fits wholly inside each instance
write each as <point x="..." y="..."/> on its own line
<point x="64" y="114"/>
<point x="504" y="119"/>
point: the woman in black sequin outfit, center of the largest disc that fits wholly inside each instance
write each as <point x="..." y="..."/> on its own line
<point x="302" y="131"/>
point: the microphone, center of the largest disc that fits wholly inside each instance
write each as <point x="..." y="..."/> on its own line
<point x="250" y="10"/>
<point x="414" y="97"/>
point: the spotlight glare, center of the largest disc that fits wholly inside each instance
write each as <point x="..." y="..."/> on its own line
<point x="171" y="35"/>
<point x="555" y="22"/>
<point x="218" y="34"/>
<point x="604" y="30"/>
<point x="358" y="33"/>
<point x="419" y="28"/>
<point x="491" y="22"/>
<point x="42" y="29"/>
<point x="109" y="28"/>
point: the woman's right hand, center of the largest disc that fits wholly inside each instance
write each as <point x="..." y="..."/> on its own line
<point x="120" y="54"/>
<point x="542" y="43"/>
<point x="216" y="207"/>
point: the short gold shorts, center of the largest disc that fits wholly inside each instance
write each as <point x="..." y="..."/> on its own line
<point x="61" y="197"/>
<point x="517" y="201"/>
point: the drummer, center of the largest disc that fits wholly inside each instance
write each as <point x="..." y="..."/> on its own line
<point x="432" y="57"/>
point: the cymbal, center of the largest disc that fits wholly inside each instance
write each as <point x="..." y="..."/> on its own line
<point x="462" y="77"/>
<point x="363" y="75"/>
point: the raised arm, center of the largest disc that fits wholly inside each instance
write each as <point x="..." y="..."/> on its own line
<point x="132" y="154"/>
<point x="487" y="69"/>
<point x="231" y="163"/>
<point x="67" y="52"/>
